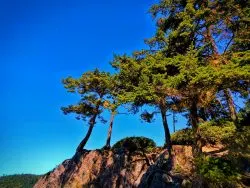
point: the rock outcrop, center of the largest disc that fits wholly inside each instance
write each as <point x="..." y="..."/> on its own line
<point x="108" y="169"/>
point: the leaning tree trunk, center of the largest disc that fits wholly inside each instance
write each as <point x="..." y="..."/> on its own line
<point x="197" y="146"/>
<point x="86" y="138"/>
<point x="168" y="143"/>
<point x="231" y="106"/>
<point x="107" y="146"/>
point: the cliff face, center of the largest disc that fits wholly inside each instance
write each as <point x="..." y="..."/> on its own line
<point x="120" y="169"/>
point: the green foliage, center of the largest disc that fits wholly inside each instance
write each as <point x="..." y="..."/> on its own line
<point x="93" y="89"/>
<point x="239" y="153"/>
<point x="218" y="132"/>
<point x="216" y="172"/>
<point x="240" y="146"/>
<point x="18" y="181"/>
<point x="183" y="137"/>
<point x="244" y="115"/>
<point x="135" y="144"/>
<point x="211" y="133"/>
<point x="143" y="82"/>
<point x="96" y="94"/>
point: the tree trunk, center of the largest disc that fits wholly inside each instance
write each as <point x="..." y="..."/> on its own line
<point x="86" y="138"/>
<point x="168" y="143"/>
<point x="197" y="147"/>
<point x="107" y="146"/>
<point x="231" y="107"/>
<point x="174" y="121"/>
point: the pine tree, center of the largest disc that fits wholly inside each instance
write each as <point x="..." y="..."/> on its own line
<point x="93" y="89"/>
<point x="143" y="82"/>
<point x="212" y="28"/>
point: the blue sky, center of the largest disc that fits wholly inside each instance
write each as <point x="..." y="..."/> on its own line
<point x="43" y="41"/>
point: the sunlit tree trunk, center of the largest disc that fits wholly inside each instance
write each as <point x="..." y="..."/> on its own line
<point x="230" y="104"/>
<point x="86" y="138"/>
<point x="107" y="146"/>
<point x="197" y="147"/>
<point x="168" y="143"/>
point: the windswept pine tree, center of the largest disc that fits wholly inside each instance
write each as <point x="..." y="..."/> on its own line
<point x="93" y="89"/>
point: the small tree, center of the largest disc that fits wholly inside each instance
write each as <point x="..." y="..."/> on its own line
<point x="111" y="104"/>
<point x="93" y="88"/>
<point x="143" y="81"/>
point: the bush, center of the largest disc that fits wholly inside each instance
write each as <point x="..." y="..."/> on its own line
<point x="211" y="133"/>
<point x="135" y="144"/>
<point x="218" y="132"/>
<point x="183" y="137"/>
<point x="241" y="142"/>
<point x="239" y="153"/>
<point x="216" y="172"/>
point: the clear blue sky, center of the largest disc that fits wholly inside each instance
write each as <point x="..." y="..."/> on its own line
<point x="43" y="41"/>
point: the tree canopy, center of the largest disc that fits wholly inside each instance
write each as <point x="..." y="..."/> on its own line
<point x="93" y="88"/>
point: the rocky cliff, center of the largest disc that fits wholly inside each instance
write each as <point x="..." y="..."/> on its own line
<point x="103" y="168"/>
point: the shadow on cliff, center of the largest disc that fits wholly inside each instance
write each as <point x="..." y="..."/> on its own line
<point x="106" y="168"/>
<point x="107" y="175"/>
<point x="159" y="174"/>
<point x="113" y="174"/>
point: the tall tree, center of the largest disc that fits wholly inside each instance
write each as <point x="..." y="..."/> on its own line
<point x="196" y="86"/>
<point x="93" y="88"/>
<point x="211" y="28"/>
<point x="215" y="28"/>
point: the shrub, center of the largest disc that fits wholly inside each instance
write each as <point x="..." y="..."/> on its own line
<point x="217" y="132"/>
<point x="135" y="144"/>
<point x="183" y="137"/>
<point x="239" y="153"/>
<point x="216" y="172"/>
<point x="211" y="133"/>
